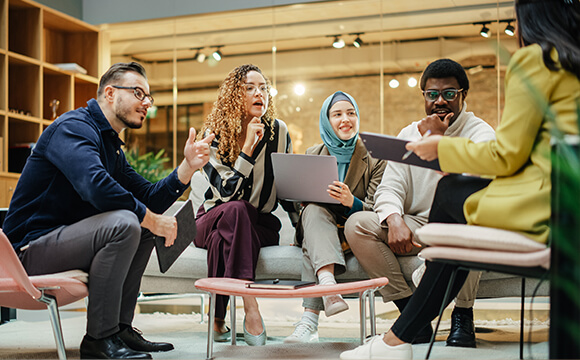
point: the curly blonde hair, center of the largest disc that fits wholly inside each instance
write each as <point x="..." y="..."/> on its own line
<point x="225" y="119"/>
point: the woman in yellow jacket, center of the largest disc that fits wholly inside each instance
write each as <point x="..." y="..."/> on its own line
<point x="542" y="95"/>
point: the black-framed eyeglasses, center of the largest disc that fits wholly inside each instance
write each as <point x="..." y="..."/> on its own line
<point x="139" y="93"/>
<point x="448" y="94"/>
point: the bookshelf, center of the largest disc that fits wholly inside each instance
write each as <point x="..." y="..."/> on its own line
<point x="33" y="40"/>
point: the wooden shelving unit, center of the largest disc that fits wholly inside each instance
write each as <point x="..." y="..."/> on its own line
<point x="33" y="38"/>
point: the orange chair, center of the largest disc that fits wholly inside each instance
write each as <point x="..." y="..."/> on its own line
<point x="20" y="291"/>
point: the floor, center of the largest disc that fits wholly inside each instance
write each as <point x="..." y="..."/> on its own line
<point x="179" y="321"/>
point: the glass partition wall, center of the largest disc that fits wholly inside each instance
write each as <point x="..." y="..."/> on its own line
<point x="373" y="49"/>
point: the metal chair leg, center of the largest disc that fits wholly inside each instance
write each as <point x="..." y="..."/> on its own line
<point x="363" y="316"/>
<point x="210" y="321"/>
<point x="443" y="306"/>
<point x="522" y="319"/>
<point x="373" y="320"/>
<point x="233" y="317"/>
<point x="54" y="316"/>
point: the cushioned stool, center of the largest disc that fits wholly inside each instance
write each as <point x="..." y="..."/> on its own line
<point x="486" y="249"/>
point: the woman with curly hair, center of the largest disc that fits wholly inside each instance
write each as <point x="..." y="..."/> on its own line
<point x="235" y="219"/>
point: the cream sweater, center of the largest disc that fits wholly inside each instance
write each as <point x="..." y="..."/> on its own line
<point x="408" y="189"/>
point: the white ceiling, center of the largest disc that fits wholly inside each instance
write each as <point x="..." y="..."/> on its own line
<point x="411" y="33"/>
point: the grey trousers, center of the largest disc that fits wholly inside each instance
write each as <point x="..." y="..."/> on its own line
<point x="113" y="249"/>
<point x="368" y="240"/>
<point x="320" y="247"/>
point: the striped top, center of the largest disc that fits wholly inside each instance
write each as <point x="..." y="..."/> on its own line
<point x="250" y="178"/>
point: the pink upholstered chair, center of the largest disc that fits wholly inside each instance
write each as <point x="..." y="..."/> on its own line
<point x="485" y="249"/>
<point x="20" y="291"/>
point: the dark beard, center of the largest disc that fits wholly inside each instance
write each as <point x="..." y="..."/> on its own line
<point x="122" y="115"/>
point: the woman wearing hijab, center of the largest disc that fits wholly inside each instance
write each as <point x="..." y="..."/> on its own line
<point x="320" y="228"/>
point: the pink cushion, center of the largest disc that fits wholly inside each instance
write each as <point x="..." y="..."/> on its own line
<point x="527" y="259"/>
<point x="478" y="237"/>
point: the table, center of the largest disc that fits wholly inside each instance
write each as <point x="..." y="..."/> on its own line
<point x="236" y="287"/>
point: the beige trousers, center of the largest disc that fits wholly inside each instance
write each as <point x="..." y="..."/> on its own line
<point x="320" y="247"/>
<point x="368" y="240"/>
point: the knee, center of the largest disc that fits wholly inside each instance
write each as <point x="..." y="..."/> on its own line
<point x="314" y="211"/>
<point x="238" y="208"/>
<point x="361" y="226"/>
<point x="125" y="226"/>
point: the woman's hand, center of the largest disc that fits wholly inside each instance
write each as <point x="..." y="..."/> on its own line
<point x="426" y="148"/>
<point x="254" y="133"/>
<point x="340" y="191"/>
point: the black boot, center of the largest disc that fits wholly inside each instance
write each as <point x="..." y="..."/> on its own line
<point x="462" y="332"/>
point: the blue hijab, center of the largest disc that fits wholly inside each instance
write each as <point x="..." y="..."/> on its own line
<point x="341" y="149"/>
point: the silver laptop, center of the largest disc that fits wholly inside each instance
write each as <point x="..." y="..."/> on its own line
<point x="305" y="178"/>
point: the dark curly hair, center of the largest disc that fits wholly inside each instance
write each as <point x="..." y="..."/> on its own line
<point x="225" y="119"/>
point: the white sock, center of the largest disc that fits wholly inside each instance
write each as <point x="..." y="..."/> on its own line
<point x="310" y="318"/>
<point x="326" y="278"/>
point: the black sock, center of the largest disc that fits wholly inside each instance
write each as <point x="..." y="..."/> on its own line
<point x="123" y="327"/>
<point x="401" y="303"/>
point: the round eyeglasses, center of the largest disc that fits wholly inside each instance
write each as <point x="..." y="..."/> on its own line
<point x="251" y="89"/>
<point x="139" y="93"/>
<point x="447" y="94"/>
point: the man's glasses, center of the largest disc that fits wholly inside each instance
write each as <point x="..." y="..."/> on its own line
<point x="448" y="94"/>
<point x="139" y="93"/>
<point x="251" y="89"/>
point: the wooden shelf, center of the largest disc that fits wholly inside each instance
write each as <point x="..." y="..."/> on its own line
<point x="33" y="38"/>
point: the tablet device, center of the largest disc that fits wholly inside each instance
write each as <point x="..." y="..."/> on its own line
<point x="393" y="149"/>
<point x="305" y="178"/>
<point x="186" y="231"/>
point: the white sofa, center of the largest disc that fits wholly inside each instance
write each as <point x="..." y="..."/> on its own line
<point x="285" y="262"/>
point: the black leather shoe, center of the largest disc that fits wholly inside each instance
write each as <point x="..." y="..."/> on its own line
<point x="462" y="332"/>
<point x="133" y="338"/>
<point x="424" y="336"/>
<point x="111" y="347"/>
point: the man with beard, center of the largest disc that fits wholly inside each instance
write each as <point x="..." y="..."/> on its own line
<point x="80" y="205"/>
<point x="403" y="200"/>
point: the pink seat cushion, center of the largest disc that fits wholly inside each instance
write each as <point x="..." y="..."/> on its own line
<point x="69" y="289"/>
<point x="479" y="237"/>
<point x="527" y="259"/>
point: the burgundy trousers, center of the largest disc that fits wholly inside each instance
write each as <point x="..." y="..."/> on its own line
<point x="233" y="234"/>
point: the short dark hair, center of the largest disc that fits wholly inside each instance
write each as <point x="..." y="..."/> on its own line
<point x="116" y="72"/>
<point x="444" y="68"/>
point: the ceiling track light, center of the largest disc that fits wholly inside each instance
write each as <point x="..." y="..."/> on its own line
<point x="338" y="42"/>
<point x="357" y="42"/>
<point x="485" y="32"/>
<point x="217" y="54"/>
<point x="509" y="29"/>
<point x="199" y="56"/>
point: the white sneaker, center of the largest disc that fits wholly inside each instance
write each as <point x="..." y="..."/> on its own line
<point x="334" y="304"/>
<point x="375" y="348"/>
<point x="418" y="274"/>
<point x="303" y="333"/>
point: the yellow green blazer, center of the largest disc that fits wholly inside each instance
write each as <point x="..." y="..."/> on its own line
<point x="518" y="198"/>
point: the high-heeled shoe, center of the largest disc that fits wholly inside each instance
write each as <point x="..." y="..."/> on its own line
<point x="222" y="337"/>
<point x="255" y="340"/>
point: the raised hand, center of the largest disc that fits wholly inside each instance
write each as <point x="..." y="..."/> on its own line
<point x="434" y="124"/>
<point x="254" y="133"/>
